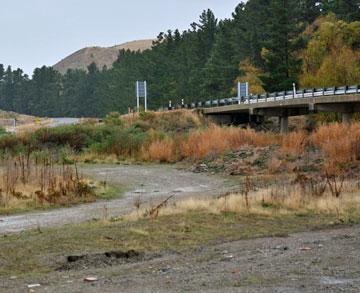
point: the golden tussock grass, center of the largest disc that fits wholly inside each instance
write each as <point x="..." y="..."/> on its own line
<point x="161" y="151"/>
<point x="340" y="143"/>
<point x="216" y="140"/>
<point x="268" y="202"/>
<point x="294" y="143"/>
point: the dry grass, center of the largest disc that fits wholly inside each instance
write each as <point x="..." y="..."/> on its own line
<point x="27" y="181"/>
<point x="294" y="143"/>
<point x="161" y="151"/>
<point x="171" y="121"/>
<point x="215" y="140"/>
<point x="96" y="158"/>
<point x="340" y="143"/>
<point x="276" y="201"/>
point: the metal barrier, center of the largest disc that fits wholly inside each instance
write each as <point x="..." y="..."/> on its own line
<point x="278" y="96"/>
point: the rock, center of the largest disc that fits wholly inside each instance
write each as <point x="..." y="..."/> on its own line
<point x="281" y="247"/>
<point x="30" y="286"/>
<point x="90" y="279"/>
<point x="228" y="257"/>
<point x="179" y="190"/>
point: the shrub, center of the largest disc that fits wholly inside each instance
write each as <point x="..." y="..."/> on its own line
<point x="114" y="118"/>
<point x="76" y="136"/>
<point x="121" y="142"/>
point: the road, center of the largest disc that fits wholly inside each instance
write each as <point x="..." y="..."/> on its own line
<point x="55" y="122"/>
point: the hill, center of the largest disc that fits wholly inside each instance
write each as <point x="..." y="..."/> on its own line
<point x="102" y="56"/>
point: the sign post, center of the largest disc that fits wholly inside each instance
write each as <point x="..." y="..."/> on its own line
<point x="243" y="90"/>
<point x="141" y="92"/>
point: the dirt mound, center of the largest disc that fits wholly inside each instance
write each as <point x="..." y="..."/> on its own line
<point x="245" y="161"/>
<point x="101" y="260"/>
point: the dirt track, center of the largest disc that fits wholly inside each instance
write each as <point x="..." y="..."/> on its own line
<point x="150" y="183"/>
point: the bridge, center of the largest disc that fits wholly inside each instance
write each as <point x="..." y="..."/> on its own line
<point x="255" y="108"/>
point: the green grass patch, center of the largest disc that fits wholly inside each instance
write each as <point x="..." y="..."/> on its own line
<point x="111" y="191"/>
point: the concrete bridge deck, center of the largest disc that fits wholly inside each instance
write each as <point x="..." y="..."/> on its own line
<point x="346" y="102"/>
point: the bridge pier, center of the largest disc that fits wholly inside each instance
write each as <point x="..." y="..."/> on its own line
<point x="284" y="124"/>
<point x="347" y="117"/>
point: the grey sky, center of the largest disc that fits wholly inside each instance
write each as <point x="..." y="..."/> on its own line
<point x="41" y="32"/>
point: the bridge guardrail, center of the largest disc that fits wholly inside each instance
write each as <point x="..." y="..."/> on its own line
<point x="276" y="96"/>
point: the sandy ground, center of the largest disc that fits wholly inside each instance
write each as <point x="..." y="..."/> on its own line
<point x="149" y="183"/>
<point x="326" y="261"/>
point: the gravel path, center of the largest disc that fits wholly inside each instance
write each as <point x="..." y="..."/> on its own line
<point x="150" y="183"/>
<point x="324" y="261"/>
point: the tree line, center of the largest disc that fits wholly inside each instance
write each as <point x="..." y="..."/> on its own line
<point x="270" y="43"/>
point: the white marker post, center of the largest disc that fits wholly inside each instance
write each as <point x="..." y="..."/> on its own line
<point x="294" y="89"/>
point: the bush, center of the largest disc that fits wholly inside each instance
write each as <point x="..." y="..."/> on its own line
<point x="114" y="118"/>
<point x="121" y="142"/>
<point x="77" y="137"/>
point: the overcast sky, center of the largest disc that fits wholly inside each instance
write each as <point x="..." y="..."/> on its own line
<point x="41" y="32"/>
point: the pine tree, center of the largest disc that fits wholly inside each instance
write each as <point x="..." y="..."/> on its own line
<point x="281" y="64"/>
<point x="309" y="10"/>
<point x="348" y="10"/>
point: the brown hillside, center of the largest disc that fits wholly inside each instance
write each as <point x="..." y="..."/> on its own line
<point x="101" y="56"/>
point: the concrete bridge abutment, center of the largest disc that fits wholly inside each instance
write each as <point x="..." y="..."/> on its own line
<point x="284" y="124"/>
<point x="347" y="117"/>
